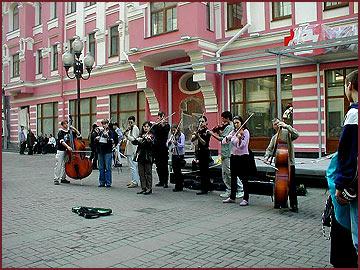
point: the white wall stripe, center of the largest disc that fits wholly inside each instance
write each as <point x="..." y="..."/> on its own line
<point x="103" y="97"/>
<point x="301" y="110"/>
<point x="32" y="118"/>
<point x="104" y="112"/>
<point x="103" y="105"/>
<point x="302" y="122"/>
<point x="306" y="74"/>
<point x="311" y="134"/>
<point x="307" y="86"/>
<point x="308" y="145"/>
<point x="306" y="98"/>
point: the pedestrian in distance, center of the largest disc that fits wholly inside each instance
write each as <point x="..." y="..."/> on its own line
<point x="22" y="140"/>
<point x="30" y="141"/>
<point x="94" y="145"/>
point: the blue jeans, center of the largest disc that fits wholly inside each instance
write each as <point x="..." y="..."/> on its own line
<point x="105" y="169"/>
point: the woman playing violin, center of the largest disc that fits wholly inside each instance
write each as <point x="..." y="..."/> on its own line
<point x="176" y="144"/>
<point x="239" y="160"/>
<point x="144" y="157"/>
<point x="107" y="138"/>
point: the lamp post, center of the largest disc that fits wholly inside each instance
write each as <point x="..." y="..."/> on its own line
<point x="69" y="60"/>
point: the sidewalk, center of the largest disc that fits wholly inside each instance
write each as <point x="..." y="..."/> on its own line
<point x="164" y="230"/>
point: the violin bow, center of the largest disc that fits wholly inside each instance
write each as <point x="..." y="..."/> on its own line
<point x="244" y="123"/>
<point x="158" y="122"/>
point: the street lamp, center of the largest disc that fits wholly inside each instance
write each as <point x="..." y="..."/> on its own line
<point x="69" y="60"/>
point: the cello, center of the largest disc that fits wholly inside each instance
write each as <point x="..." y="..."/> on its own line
<point x="78" y="166"/>
<point x="282" y="163"/>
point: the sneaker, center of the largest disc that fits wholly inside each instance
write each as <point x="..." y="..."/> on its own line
<point x="101" y="185"/>
<point x="239" y="195"/>
<point x="132" y="185"/>
<point x="56" y="182"/>
<point x="225" y="195"/>
<point x="228" y="200"/>
<point x="64" y="181"/>
<point x="244" y="203"/>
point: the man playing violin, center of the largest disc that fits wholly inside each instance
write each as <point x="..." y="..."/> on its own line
<point x="223" y="131"/>
<point x="161" y="155"/>
<point x="61" y="154"/>
<point x="203" y="138"/>
<point x="288" y="134"/>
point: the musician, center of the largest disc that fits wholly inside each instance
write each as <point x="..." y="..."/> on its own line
<point x="130" y="134"/>
<point x="219" y="134"/>
<point x="239" y="160"/>
<point x="107" y="139"/>
<point x="161" y="155"/>
<point x="94" y="145"/>
<point x="61" y="154"/>
<point x="203" y="138"/>
<point x="176" y="144"/>
<point x="144" y="157"/>
<point x="288" y="134"/>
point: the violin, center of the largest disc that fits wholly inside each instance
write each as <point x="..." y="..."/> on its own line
<point x="219" y="128"/>
<point x="282" y="163"/>
<point x="78" y="166"/>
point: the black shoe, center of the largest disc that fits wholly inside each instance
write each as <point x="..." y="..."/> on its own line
<point x="202" y="193"/>
<point x="294" y="209"/>
<point x="159" y="184"/>
<point x="108" y="186"/>
<point x="141" y="192"/>
<point x="95" y="168"/>
<point x="148" y="192"/>
<point x="177" y="190"/>
<point x="166" y="186"/>
<point x="101" y="185"/>
<point x="64" y="181"/>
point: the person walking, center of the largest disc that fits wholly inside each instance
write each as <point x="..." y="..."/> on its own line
<point x="94" y="145"/>
<point x="22" y="140"/>
<point x="30" y="141"/>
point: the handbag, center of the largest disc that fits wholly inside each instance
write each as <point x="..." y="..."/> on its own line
<point x="349" y="193"/>
<point x="327" y="216"/>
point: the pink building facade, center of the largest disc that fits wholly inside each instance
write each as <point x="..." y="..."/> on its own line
<point x="131" y="40"/>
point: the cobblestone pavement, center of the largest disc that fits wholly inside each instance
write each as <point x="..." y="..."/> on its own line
<point x="164" y="229"/>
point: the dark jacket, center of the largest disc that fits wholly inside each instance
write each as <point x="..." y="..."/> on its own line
<point x="161" y="134"/>
<point x="106" y="148"/>
<point x="31" y="139"/>
<point x="144" y="152"/>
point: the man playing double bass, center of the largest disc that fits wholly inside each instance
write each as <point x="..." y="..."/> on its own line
<point x="61" y="154"/>
<point x="288" y="134"/>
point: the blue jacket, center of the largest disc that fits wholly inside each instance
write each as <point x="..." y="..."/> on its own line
<point x="348" y="149"/>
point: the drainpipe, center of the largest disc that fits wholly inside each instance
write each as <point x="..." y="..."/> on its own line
<point x="123" y="11"/>
<point x="241" y="31"/>
<point x="61" y="68"/>
<point x="227" y="44"/>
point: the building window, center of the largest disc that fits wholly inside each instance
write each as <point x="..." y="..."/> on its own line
<point x="208" y="15"/>
<point x="53" y="10"/>
<point x="124" y="105"/>
<point x="55" y="58"/>
<point x="259" y="95"/>
<point x="71" y="7"/>
<point x="92" y="43"/>
<point x="163" y="17"/>
<point x="87" y="114"/>
<point x="88" y="4"/>
<point x="38" y="14"/>
<point x="281" y="10"/>
<point x="15" y="18"/>
<point x="234" y="16"/>
<point x="47" y="118"/>
<point x="336" y="105"/>
<point x="39" y="62"/>
<point x="16" y="66"/>
<point x="114" y="41"/>
<point x="332" y="5"/>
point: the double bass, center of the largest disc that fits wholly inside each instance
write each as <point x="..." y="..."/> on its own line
<point x="78" y="166"/>
<point x="282" y="163"/>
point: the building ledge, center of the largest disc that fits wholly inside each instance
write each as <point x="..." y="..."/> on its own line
<point x="13" y="34"/>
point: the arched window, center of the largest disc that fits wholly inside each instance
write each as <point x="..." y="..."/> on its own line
<point x="15" y="18"/>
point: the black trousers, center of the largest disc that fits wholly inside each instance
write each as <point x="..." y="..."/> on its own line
<point x="94" y="158"/>
<point x="239" y="166"/>
<point x="292" y="188"/>
<point x="176" y="165"/>
<point x="161" y="161"/>
<point x="342" y="250"/>
<point x="22" y="147"/>
<point x="203" y="158"/>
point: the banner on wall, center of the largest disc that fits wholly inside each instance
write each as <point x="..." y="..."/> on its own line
<point x="319" y="32"/>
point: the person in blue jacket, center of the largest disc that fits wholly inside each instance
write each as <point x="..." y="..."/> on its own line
<point x="341" y="174"/>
